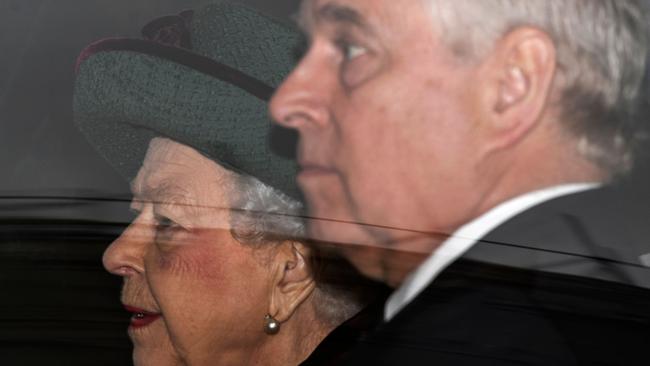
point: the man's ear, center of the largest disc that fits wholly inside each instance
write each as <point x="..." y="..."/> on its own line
<point x="293" y="280"/>
<point x="521" y="70"/>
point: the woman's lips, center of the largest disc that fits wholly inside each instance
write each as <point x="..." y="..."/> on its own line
<point x="141" y="317"/>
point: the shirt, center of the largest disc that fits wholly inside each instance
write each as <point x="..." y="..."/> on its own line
<point x="465" y="237"/>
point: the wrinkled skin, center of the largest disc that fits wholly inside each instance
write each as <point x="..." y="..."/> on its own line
<point x="179" y="259"/>
<point x="389" y="130"/>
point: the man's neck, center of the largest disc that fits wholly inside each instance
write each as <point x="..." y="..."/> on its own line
<point x="466" y="237"/>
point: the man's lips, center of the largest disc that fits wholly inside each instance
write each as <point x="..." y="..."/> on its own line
<point x="141" y="317"/>
<point x="307" y="169"/>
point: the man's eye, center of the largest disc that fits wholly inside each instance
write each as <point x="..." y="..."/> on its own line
<point x="354" y="51"/>
<point x="350" y="50"/>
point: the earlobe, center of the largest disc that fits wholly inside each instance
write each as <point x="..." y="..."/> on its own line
<point x="293" y="281"/>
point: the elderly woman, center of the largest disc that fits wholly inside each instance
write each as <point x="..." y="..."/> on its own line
<point x="213" y="266"/>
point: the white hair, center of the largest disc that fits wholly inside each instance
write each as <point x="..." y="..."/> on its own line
<point x="262" y="215"/>
<point x="601" y="55"/>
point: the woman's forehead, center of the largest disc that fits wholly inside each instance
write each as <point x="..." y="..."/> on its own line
<point x="172" y="167"/>
<point x="167" y="150"/>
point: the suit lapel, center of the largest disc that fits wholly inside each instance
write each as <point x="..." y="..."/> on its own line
<point x="575" y="234"/>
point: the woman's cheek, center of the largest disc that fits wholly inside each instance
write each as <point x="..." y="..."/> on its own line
<point x="187" y="261"/>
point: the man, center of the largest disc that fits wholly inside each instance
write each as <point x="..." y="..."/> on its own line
<point x="468" y="140"/>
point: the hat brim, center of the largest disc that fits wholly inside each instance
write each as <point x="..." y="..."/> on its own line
<point x="124" y="97"/>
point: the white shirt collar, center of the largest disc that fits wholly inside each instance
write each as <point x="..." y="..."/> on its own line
<point x="465" y="237"/>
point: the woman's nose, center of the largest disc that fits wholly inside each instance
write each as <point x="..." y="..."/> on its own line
<point x="125" y="256"/>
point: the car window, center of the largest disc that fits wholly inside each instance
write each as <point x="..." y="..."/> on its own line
<point x="62" y="203"/>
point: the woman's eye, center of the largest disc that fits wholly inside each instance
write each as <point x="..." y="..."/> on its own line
<point x="164" y="223"/>
<point x="134" y="212"/>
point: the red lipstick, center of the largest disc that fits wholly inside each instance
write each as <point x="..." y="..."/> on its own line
<point x="141" y="317"/>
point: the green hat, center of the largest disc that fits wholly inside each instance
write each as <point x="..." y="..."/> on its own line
<point x="202" y="78"/>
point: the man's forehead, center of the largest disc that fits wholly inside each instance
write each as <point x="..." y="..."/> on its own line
<point x="344" y="12"/>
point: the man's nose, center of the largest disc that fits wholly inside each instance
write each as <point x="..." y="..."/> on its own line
<point x="303" y="98"/>
<point x="125" y="256"/>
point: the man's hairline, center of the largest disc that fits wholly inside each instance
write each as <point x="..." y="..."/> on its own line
<point x="331" y="12"/>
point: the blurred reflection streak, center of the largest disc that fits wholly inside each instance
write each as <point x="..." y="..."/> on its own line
<point x="598" y="253"/>
<point x="66" y="198"/>
<point x="92" y="209"/>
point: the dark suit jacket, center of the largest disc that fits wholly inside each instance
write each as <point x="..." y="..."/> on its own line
<point x="576" y="299"/>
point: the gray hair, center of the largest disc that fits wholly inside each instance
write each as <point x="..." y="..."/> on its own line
<point x="601" y="54"/>
<point x="262" y="215"/>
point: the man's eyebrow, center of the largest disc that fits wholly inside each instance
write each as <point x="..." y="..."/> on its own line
<point x="341" y="14"/>
<point x="303" y="17"/>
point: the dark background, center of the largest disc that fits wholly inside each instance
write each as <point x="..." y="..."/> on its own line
<point x="41" y="153"/>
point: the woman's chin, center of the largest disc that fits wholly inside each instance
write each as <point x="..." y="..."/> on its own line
<point x="155" y="357"/>
<point x="152" y="345"/>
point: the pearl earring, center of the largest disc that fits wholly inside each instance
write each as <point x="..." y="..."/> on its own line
<point x="271" y="325"/>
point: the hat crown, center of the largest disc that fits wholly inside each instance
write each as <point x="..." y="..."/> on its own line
<point x="222" y="32"/>
<point x="202" y="79"/>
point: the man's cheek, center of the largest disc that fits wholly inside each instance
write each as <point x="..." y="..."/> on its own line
<point x="323" y="197"/>
<point x="333" y="219"/>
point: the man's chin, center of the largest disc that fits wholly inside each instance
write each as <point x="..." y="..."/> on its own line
<point x="337" y="231"/>
<point x="350" y="241"/>
<point x="383" y="264"/>
<point x="366" y="260"/>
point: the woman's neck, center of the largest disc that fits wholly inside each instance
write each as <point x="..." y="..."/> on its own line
<point x="297" y="339"/>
